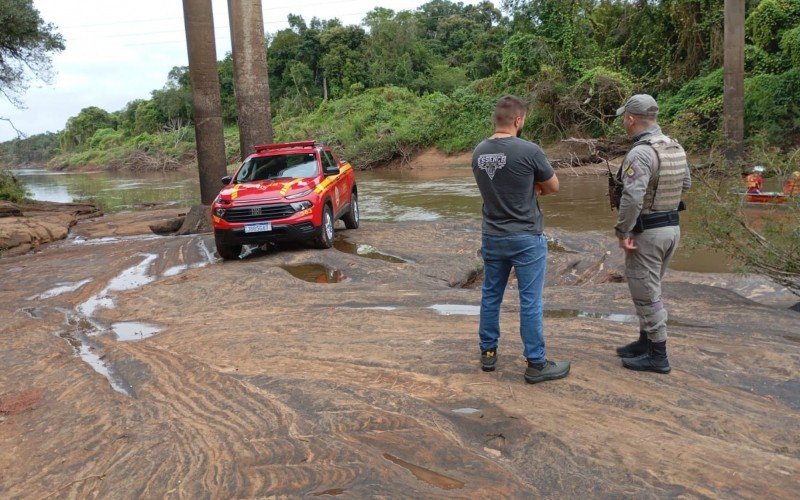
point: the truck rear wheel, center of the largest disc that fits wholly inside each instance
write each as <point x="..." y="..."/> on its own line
<point x="352" y="217"/>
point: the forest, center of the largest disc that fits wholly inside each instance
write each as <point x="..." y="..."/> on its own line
<point x="407" y="80"/>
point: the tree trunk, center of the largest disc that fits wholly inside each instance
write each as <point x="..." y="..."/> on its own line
<point x="199" y="21"/>
<point x="250" y="73"/>
<point x="733" y="96"/>
<point x="325" y="88"/>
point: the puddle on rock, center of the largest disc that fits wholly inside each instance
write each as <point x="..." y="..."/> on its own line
<point x="87" y="352"/>
<point x="130" y="278"/>
<point x="315" y="273"/>
<point x="59" y="289"/>
<point x="368" y="251"/>
<point x="616" y="317"/>
<point x="370" y="308"/>
<point x="466" y="411"/>
<point x="456" y="309"/>
<point x="133" y="330"/>
<point x="427" y="475"/>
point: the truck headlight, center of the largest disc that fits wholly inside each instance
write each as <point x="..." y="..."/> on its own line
<point x="299" y="206"/>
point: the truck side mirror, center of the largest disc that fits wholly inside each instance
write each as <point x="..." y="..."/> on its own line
<point x="226" y="180"/>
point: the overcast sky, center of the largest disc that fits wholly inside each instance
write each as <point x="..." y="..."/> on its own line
<point x="119" y="51"/>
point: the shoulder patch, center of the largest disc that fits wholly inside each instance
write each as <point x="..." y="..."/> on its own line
<point x="631" y="171"/>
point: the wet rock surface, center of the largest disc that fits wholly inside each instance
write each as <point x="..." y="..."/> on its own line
<point x="26" y="226"/>
<point x="245" y="381"/>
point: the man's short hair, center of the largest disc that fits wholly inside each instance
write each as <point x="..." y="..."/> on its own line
<point x="508" y="108"/>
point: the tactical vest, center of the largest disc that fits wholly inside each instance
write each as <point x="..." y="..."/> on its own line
<point x="665" y="187"/>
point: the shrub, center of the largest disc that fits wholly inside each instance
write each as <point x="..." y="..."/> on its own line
<point x="766" y="23"/>
<point x="790" y="45"/>
<point x="772" y="105"/>
<point x="11" y="188"/>
<point x="694" y="112"/>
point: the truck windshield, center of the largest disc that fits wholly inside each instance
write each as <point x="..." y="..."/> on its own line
<point x="278" y="166"/>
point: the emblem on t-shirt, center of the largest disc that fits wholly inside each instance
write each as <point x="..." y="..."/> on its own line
<point x="491" y="163"/>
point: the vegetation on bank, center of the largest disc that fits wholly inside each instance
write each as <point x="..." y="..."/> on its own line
<point x="11" y="189"/>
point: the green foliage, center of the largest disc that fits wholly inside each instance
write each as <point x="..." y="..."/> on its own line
<point x="26" y="44"/>
<point x="11" y="188"/>
<point x="467" y="117"/>
<point x="772" y="106"/>
<point x="227" y="96"/>
<point x="523" y="56"/>
<point x="105" y="138"/>
<point x="370" y="128"/>
<point x="694" y="112"/>
<point x="446" y="79"/>
<point x="767" y="22"/>
<point x="343" y="63"/>
<point x="790" y="46"/>
<point x="83" y="126"/>
<point x="36" y="149"/>
<point x="146" y="118"/>
<point x="758" y="60"/>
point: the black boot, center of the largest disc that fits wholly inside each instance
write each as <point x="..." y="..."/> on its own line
<point x="654" y="361"/>
<point x="636" y="348"/>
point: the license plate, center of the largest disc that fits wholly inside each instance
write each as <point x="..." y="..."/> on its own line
<point x="258" y="228"/>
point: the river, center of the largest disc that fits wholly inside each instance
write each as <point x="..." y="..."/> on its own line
<point x="385" y="195"/>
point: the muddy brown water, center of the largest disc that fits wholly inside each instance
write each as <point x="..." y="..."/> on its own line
<point x="315" y="273"/>
<point x="387" y="196"/>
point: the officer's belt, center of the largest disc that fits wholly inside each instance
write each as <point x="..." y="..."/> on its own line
<point x="658" y="219"/>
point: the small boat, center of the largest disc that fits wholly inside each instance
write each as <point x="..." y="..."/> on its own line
<point x="766" y="197"/>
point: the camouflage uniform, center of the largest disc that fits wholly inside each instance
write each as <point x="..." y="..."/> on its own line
<point x="645" y="267"/>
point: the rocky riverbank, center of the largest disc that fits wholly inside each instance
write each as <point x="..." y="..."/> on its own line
<point x="146" y="367"/>
<point x="26" y="226"/>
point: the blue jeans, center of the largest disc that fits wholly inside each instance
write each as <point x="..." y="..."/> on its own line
<point x="527" y="254"/>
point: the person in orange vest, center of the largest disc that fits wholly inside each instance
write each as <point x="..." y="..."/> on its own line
<point x="792" y="186"/>
<point x="754" y="180"/>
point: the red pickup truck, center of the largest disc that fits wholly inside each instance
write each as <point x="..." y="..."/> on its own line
<point x="284" y="191"/>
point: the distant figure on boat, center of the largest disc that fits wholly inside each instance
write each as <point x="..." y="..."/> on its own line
<point x="753" y="181"/>
<point x="792" y="186"/>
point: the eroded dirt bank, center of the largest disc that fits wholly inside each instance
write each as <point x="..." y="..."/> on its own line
<point x="259" y="383"/>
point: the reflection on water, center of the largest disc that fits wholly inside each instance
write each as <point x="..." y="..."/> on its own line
<point x="388" y="196"/>
<point x="315" y="273"/>
<point x="112" y="191"/>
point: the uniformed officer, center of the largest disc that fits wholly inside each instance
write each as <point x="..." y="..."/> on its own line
<point x="654" y="175"/>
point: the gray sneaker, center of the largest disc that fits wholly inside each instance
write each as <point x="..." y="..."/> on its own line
<point x="549" y="370"/>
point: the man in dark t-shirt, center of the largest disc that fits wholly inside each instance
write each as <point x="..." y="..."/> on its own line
<point x="510" y="173"/>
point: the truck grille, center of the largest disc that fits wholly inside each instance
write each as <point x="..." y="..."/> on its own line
<point x="258" y="213"/>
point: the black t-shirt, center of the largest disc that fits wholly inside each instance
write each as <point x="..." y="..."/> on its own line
<point x="505" y="170"/>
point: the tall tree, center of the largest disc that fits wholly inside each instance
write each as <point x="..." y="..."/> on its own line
<point x="250" y="74"/>
<point x="199" y="21"/>
<point x="733" y="97"/>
